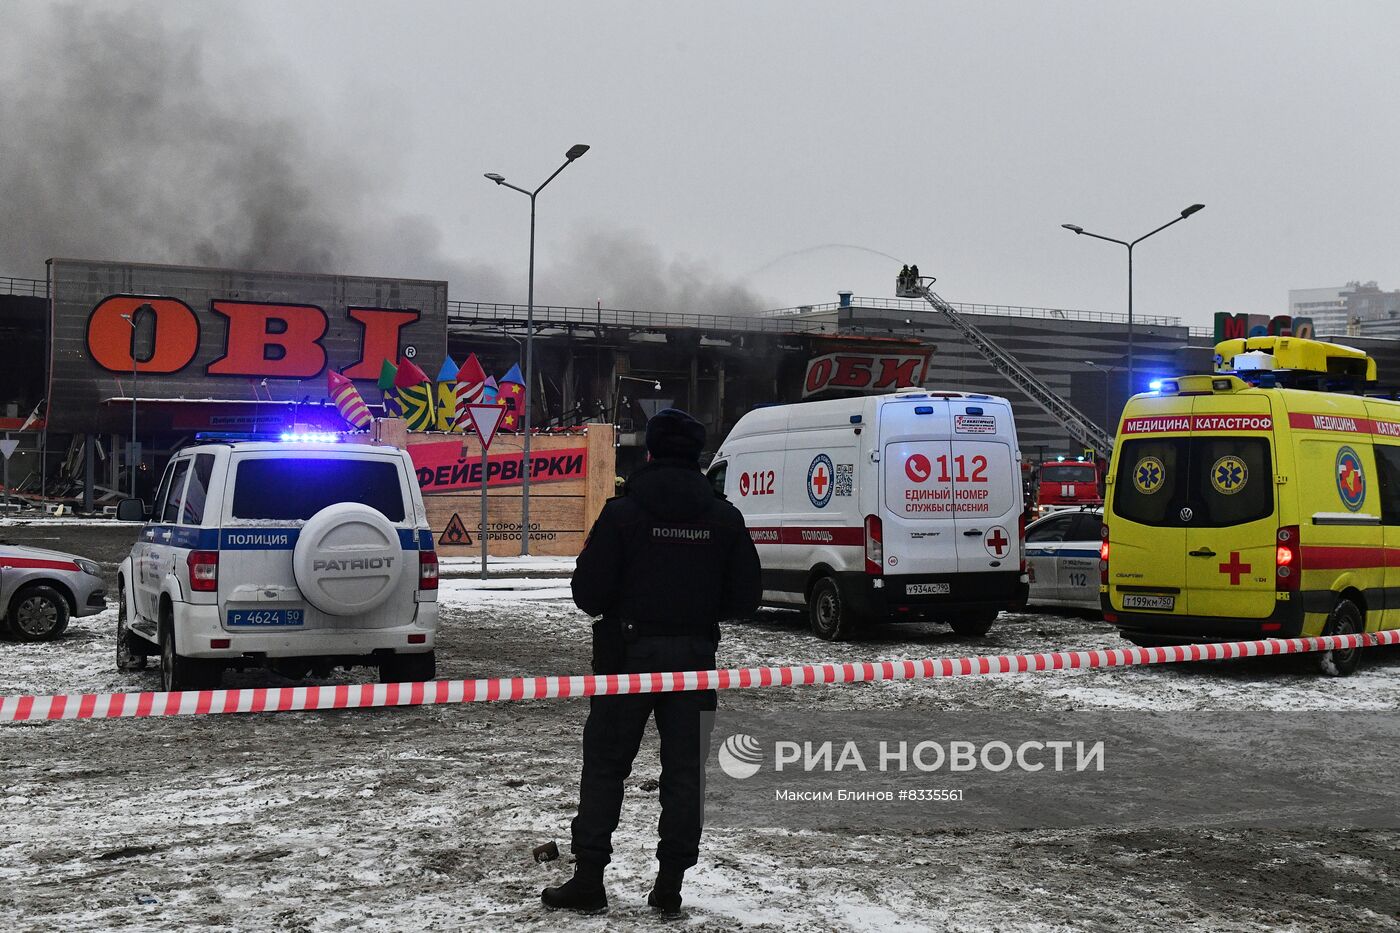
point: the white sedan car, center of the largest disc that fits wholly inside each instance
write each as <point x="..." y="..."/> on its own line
<point x="1062" y="558"/>
<point x="41" y="590"/>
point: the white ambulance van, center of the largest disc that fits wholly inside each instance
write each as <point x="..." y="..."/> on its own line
<point x="885" y="508"/>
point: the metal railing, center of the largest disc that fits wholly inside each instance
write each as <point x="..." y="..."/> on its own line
<point x="469" y="312"/>
<point x="782" y="320"/>
<point x="908" y="304"/>
<point x="10" y="285"/>
<point x="779" y="320"/>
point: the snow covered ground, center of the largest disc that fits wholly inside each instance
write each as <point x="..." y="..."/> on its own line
<point x="424" y="818"/>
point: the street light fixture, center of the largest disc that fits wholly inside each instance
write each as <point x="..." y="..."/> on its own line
<point x="617" y="390"/>
<point x="573" y="153"/>
<point x="1080" y="231"/>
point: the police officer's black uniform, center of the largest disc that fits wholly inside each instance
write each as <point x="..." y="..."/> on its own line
<point x="664" y="563"/>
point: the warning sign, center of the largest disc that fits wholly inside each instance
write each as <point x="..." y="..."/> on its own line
<point x="455" y="532"/>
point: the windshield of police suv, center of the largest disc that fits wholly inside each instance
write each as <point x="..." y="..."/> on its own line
<point x="1223" y="481"/>
<point x="296" y="488"/>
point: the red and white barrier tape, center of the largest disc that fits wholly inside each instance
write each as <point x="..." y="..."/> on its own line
<point x="362" y="696"/>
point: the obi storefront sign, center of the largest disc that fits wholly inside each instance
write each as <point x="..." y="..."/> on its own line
<point x="199" y="334"/>
<point x="443" y="468"/>
<point x="865" y="372"/>
<point x="1235" y="326"/>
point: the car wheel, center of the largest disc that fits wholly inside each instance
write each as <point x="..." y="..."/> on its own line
<point x="974" y="624"/>
<point x="408" y="668"/>
<point x="831" y="619"/>
<point x="131" y="655"/>
<point x="38" y="613"/>
<point x="178" y="672"/>
<point x="1345" y="619"/>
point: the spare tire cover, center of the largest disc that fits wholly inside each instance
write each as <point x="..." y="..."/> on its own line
<point x="347" y="559"/>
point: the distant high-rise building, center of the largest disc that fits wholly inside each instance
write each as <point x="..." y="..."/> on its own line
<point x="1349" y="310"/>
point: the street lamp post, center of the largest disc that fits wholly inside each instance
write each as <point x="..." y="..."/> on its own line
<point x="1187" y="212"/>
<point x="573" y="153"/>
<point x="131" y="454"/>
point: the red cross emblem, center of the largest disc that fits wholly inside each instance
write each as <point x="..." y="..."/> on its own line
<point x="1351" y="477"/>
<point x="1234" y="568"/>
<point x="819" y="481"/>
<point x="997" y="542"/>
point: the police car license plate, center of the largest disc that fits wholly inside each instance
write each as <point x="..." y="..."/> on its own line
<point x="1149" y="602"/>
<point x="926" y="589"/>
<point x="258" y="618"/>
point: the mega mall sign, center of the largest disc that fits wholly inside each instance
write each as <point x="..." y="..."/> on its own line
<point x="1234" y="326"/>
<point x="865" y="372"/>
<point x="193" y="334"/>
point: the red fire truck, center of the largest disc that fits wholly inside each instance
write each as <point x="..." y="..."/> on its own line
<point x="1065" y="484"/>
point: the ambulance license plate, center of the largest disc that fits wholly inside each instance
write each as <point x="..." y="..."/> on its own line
<point x="260" y="618"/>
<point x="1138" y="601"/>
<point x="926" y="589"/>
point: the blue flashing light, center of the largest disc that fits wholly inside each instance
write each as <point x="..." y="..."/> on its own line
<point x="972" y="410"/>
<point x="923" y="409"/>
<point x="855" y="419"/>
<point x="310" y="437"/>
<point x="1155" y="385"/>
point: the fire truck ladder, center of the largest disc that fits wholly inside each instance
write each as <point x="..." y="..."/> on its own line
<point x="1080" y="427"/>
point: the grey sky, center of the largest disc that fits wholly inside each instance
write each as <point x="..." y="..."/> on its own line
<point x="727" y="136"/>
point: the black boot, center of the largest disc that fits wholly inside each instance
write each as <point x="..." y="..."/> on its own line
<point x="665" y="896"/>
<point x="583" y="892"/>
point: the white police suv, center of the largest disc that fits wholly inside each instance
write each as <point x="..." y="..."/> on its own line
<point x="298" y="556"/>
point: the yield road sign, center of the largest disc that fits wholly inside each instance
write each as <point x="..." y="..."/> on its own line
<point x="8" y="447"/>
<point x="485" y="420"/>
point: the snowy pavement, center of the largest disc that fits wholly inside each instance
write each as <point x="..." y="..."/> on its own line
<point x="424" y="818"/>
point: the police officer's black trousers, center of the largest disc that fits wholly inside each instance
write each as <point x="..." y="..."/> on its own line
<point x="613" y="735"/>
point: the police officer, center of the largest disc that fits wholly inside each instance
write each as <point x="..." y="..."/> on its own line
<point x="666" y="561"/>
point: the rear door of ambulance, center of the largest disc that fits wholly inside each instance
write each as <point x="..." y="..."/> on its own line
<point x="917" y="515"/>
<point x="1231" y="535"/>
<point x="1147" y="495"/>
<point x="986" y="485"/>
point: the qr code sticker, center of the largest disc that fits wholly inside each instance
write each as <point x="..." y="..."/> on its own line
<point x="845" y="478"/>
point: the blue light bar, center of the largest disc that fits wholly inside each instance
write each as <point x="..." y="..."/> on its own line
<point x="310" y="437"/>
<point x="1155" y="385"/>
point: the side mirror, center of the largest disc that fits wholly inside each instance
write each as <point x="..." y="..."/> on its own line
<point x="131" y="510"/>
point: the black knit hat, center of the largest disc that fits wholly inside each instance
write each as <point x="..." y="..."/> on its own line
<point x="671" y="433"/>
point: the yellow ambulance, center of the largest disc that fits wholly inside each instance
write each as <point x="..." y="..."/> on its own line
<point x="1259" y="502"/>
